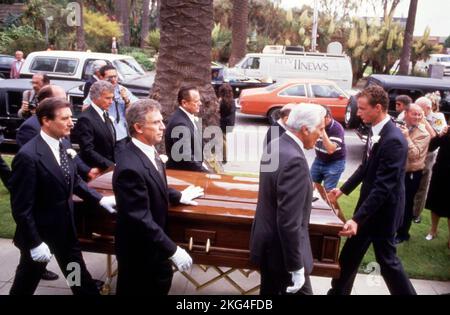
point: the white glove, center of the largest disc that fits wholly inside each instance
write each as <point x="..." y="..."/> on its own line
<point x="298" y="278"/>
<point x="109" y="203"/>
<point x="41" y="253"/>
<point x="189" y="194"/>
<point x="181" y="259"/>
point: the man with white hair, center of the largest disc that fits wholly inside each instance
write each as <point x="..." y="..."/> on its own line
<point x="279" y="242"/>
<point x="96" y="66"/>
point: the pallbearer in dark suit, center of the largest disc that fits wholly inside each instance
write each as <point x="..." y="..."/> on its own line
<point x="184" y="144"/>
<point x="280" y="242"/>
<point x="44" y="178"/>
<point x="380" y="208"/>
<point x="94" y="130"/>
<point x="143" y="249"/>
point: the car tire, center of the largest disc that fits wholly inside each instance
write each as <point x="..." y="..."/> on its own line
<point x="273" y="115"/>
<point x="351" y="120"/>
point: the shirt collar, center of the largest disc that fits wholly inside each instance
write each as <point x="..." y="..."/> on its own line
<point x="98" y="110"/>
<point x="192" y="117"/>
<point x="281" y="123"/>
<point x="52" y="142"/>
<point x="376" y="129"/>
<point x="296" y="139"/>
<point x="148" y="150"/>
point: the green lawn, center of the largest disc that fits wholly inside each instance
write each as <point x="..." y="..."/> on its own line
<point x="422" y="259"/>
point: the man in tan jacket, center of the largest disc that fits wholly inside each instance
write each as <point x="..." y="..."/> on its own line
<point x="418" y="139"/>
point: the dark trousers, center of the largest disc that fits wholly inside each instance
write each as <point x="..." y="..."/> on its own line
<point x="412" y="183"/>
<point x="135" y="277"/>
<point x="391" y="268"/>
<point x="28" y="273"/>
<point x="275" y="282"/>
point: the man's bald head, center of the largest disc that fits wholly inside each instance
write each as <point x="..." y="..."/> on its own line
<point x="51" y="91"/>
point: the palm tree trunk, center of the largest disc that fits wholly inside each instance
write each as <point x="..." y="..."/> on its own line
<point x="125" y="12"/>
<point x="81" y="44"/>
<point x="145" y="22"/>
<point x="407" y="42"/>
<point x="239" y="31"/>
<point x="185" y="55"/>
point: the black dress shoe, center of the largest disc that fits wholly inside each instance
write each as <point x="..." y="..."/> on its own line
<point x="49" y="275"/>
<point x="417" y="219"/>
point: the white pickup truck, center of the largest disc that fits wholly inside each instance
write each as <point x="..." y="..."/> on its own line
<point x="77" y="66"/>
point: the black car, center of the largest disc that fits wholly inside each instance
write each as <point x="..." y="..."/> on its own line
<point x="5" y="65"/>
<point x="414" y="87"/>
<point x="11" y="92"/>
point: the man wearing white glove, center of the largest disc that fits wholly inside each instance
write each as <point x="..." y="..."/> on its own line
<point x="144" y="251"/>
<point x="279" y="241"/>
<point x="44" y="178"/>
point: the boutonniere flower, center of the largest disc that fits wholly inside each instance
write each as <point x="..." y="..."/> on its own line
<point x="72" y="153"/>
<point x="164" y="158"/>
<point x="375" y="139"/>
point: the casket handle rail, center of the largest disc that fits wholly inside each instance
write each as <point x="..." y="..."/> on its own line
<point x="207" y="246"/>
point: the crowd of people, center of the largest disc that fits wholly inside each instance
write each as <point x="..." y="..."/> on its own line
<point x="118" y="132"/>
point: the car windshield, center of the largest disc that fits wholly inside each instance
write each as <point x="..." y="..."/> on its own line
<point x="129" y="68"/>
<point x="272" y="87"/>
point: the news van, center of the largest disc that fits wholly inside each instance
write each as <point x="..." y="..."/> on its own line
<point x="281" y="63"/>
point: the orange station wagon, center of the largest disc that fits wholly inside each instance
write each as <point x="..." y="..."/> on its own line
<point x="267" y="101"/>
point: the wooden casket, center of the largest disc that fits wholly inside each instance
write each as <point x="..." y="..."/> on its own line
<point x="217" y="231"/>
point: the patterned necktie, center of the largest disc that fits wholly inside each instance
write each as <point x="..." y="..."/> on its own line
<point x="64" y="163"/>
<point x="109" y="125"/>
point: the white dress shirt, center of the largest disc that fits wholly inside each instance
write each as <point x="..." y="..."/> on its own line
<point x="296" y="139"/>
<point x="99" y="111"/>
<point x="53" y="144"/>
<point x="192" y="117"/>
<point x="148" y="150"/>
<point x="376" y="129"/>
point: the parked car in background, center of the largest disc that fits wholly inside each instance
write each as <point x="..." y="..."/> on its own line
<point x="77" y="66"/>
<point x="11" y="92"/>
<point x="414" y="87"/>
<point x="5" y="65"/>
<point x="267" y="101"/>
<point x="438" y="59"/>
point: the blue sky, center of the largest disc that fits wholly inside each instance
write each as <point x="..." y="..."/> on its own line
<point x="433" y="13"/>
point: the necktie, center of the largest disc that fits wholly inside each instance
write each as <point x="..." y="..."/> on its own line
<point x="109" y="125"/>
<point x="160" y="167"/>
<point x="64" y="163"/>
<point x="116" y="103"/>
<point x="368" y="144"/>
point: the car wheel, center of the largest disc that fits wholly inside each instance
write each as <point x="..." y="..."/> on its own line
<point x="351" y="119"/>
<point x="273" y="115"/>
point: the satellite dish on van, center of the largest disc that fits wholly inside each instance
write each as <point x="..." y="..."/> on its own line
<point x="334" y="48"/>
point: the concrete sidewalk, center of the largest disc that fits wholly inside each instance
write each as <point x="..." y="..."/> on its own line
<point x="96" y="263"/>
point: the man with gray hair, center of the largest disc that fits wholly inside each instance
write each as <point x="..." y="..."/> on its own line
<point x="96" y="66"/>
<point x="94" y="130"/>
<point x="144" y="251"/>
<point x="279" y="242"/>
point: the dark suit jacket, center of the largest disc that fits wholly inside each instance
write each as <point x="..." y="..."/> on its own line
<point x="380" y="208"/>
<point x="187" y="141"/>
<point x="30" y="128"/>
<point x="143" y="199"/>
<point x="280" y="234"/>
<point x="274" y="132"/>
<point x="41" y="201"/>
<point x="95" y="140"/>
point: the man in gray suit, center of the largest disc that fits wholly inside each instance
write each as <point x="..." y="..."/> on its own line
<point x="279" y="241"/>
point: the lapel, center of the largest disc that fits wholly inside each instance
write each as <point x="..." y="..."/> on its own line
<point x="195" y="134"/>
<point x="49" y="162"/>
<point x="154" y="175"/>
<point x="101" y="123"/>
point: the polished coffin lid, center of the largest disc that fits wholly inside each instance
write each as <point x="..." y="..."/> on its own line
<point x="227" y="197"/>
